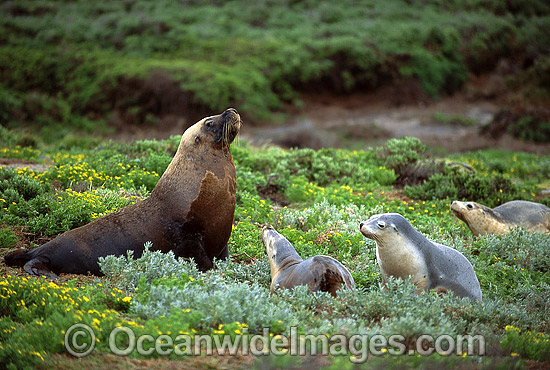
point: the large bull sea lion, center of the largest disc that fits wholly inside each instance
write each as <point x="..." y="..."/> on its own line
<point x="190" y="211"/>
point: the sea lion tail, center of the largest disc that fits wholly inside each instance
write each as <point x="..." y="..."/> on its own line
<point x="17" y="258"/>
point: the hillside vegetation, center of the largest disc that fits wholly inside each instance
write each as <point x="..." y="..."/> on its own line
<point x="316" y="199"/>
<point x="84" y="63"/>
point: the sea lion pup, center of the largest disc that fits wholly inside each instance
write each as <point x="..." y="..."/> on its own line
<point x="288" y="269"/>
<point x="499" y="220"/>
<point x="401" y="251"/>
<point x="190" y="211"/>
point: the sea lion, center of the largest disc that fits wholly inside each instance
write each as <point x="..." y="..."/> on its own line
<point x="288" y="269"/>
<point x="401" y="251"/>
<point x="190" y="211"/>
<point x="499" y="220"/>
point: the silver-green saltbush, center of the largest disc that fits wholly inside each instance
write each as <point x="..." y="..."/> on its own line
<point x="520" y="248"/>
<point x="224" y="295"/>
<point x="343" y="218"/>
<point x="218" y="301"/>
<point x="126" y="271"/>
<point x="257" y="272"/>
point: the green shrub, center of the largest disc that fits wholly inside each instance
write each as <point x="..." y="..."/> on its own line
<point x="403" y="152"/>
<point x="340" y="47"/>
<point x="36" y="313"/>
<point x="520" y="248"/>
<point x="15" y="188"/>
<point x="218" y="301"/>
<point x="129" y="272"/>
<point x="490" y="191"/>
<point x="527" y="344"/>
<point x="7" y="238"/>
<point x="531" y="128"/>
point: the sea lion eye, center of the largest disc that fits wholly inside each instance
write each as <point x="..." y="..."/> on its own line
<point x="381" y="224"/>
<point x="470" y="206"/>
<point x="209" y="124"/>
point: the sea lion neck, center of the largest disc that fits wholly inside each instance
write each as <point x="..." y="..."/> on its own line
<point x="287" y="260"/>
<point x="285" y="256"/>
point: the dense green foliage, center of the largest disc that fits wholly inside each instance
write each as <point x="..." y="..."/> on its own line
<point x="68" y="63"/>
<point x="531" y="129"/>
<point x="316" y="199"/>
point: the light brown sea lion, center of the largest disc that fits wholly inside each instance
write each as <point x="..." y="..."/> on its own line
<point x="403" y="252"/>
<point x="288" y="269"/>
<point x="499" y="220"/>
<point x="190" y="211"/>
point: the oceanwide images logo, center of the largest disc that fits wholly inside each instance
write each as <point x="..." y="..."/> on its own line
<point x="80" y="341"/>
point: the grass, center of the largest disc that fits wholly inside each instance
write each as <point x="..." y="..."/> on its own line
<point x="315" y="199"/>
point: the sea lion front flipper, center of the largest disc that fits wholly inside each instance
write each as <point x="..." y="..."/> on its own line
<point x="224" y="253"/>
<point x="193" y="247"/>
<point x="38" y="267"/>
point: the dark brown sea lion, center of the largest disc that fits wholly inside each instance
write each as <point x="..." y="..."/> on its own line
<point x="190" y="211"/>
<point x="288" y="269"/>
<point x="499" y="220"/>
<point x="403" y="252"/>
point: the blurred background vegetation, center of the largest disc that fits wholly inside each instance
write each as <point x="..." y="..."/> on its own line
<point x="95" y="65"/>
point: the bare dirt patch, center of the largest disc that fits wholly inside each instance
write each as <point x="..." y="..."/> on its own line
<point x="21" y="163"/>
<point x="448" y="124"/>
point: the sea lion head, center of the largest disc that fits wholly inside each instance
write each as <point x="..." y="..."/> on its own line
<point x="219" y="130"/>
<point x="280" y="252"/>
<point x="270" y="237"/>
<point x="476" y="216"/>
<point x="466" y="211"/>
<point x="385" y="228"/>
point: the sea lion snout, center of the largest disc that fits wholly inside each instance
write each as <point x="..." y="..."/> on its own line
<point x="231" y="123"/>
<point x="230" y="112"/>
<point x="365" y="229"/>
<point x="269" y="238"/>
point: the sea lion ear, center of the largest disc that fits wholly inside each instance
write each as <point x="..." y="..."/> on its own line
<point x="197" y="139"/>
<point x="395" y="228"/>
<point x="483" y="212"/>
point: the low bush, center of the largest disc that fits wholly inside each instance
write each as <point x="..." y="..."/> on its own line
<point x="7" y="238"/>
<point x="490" y="191"/>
